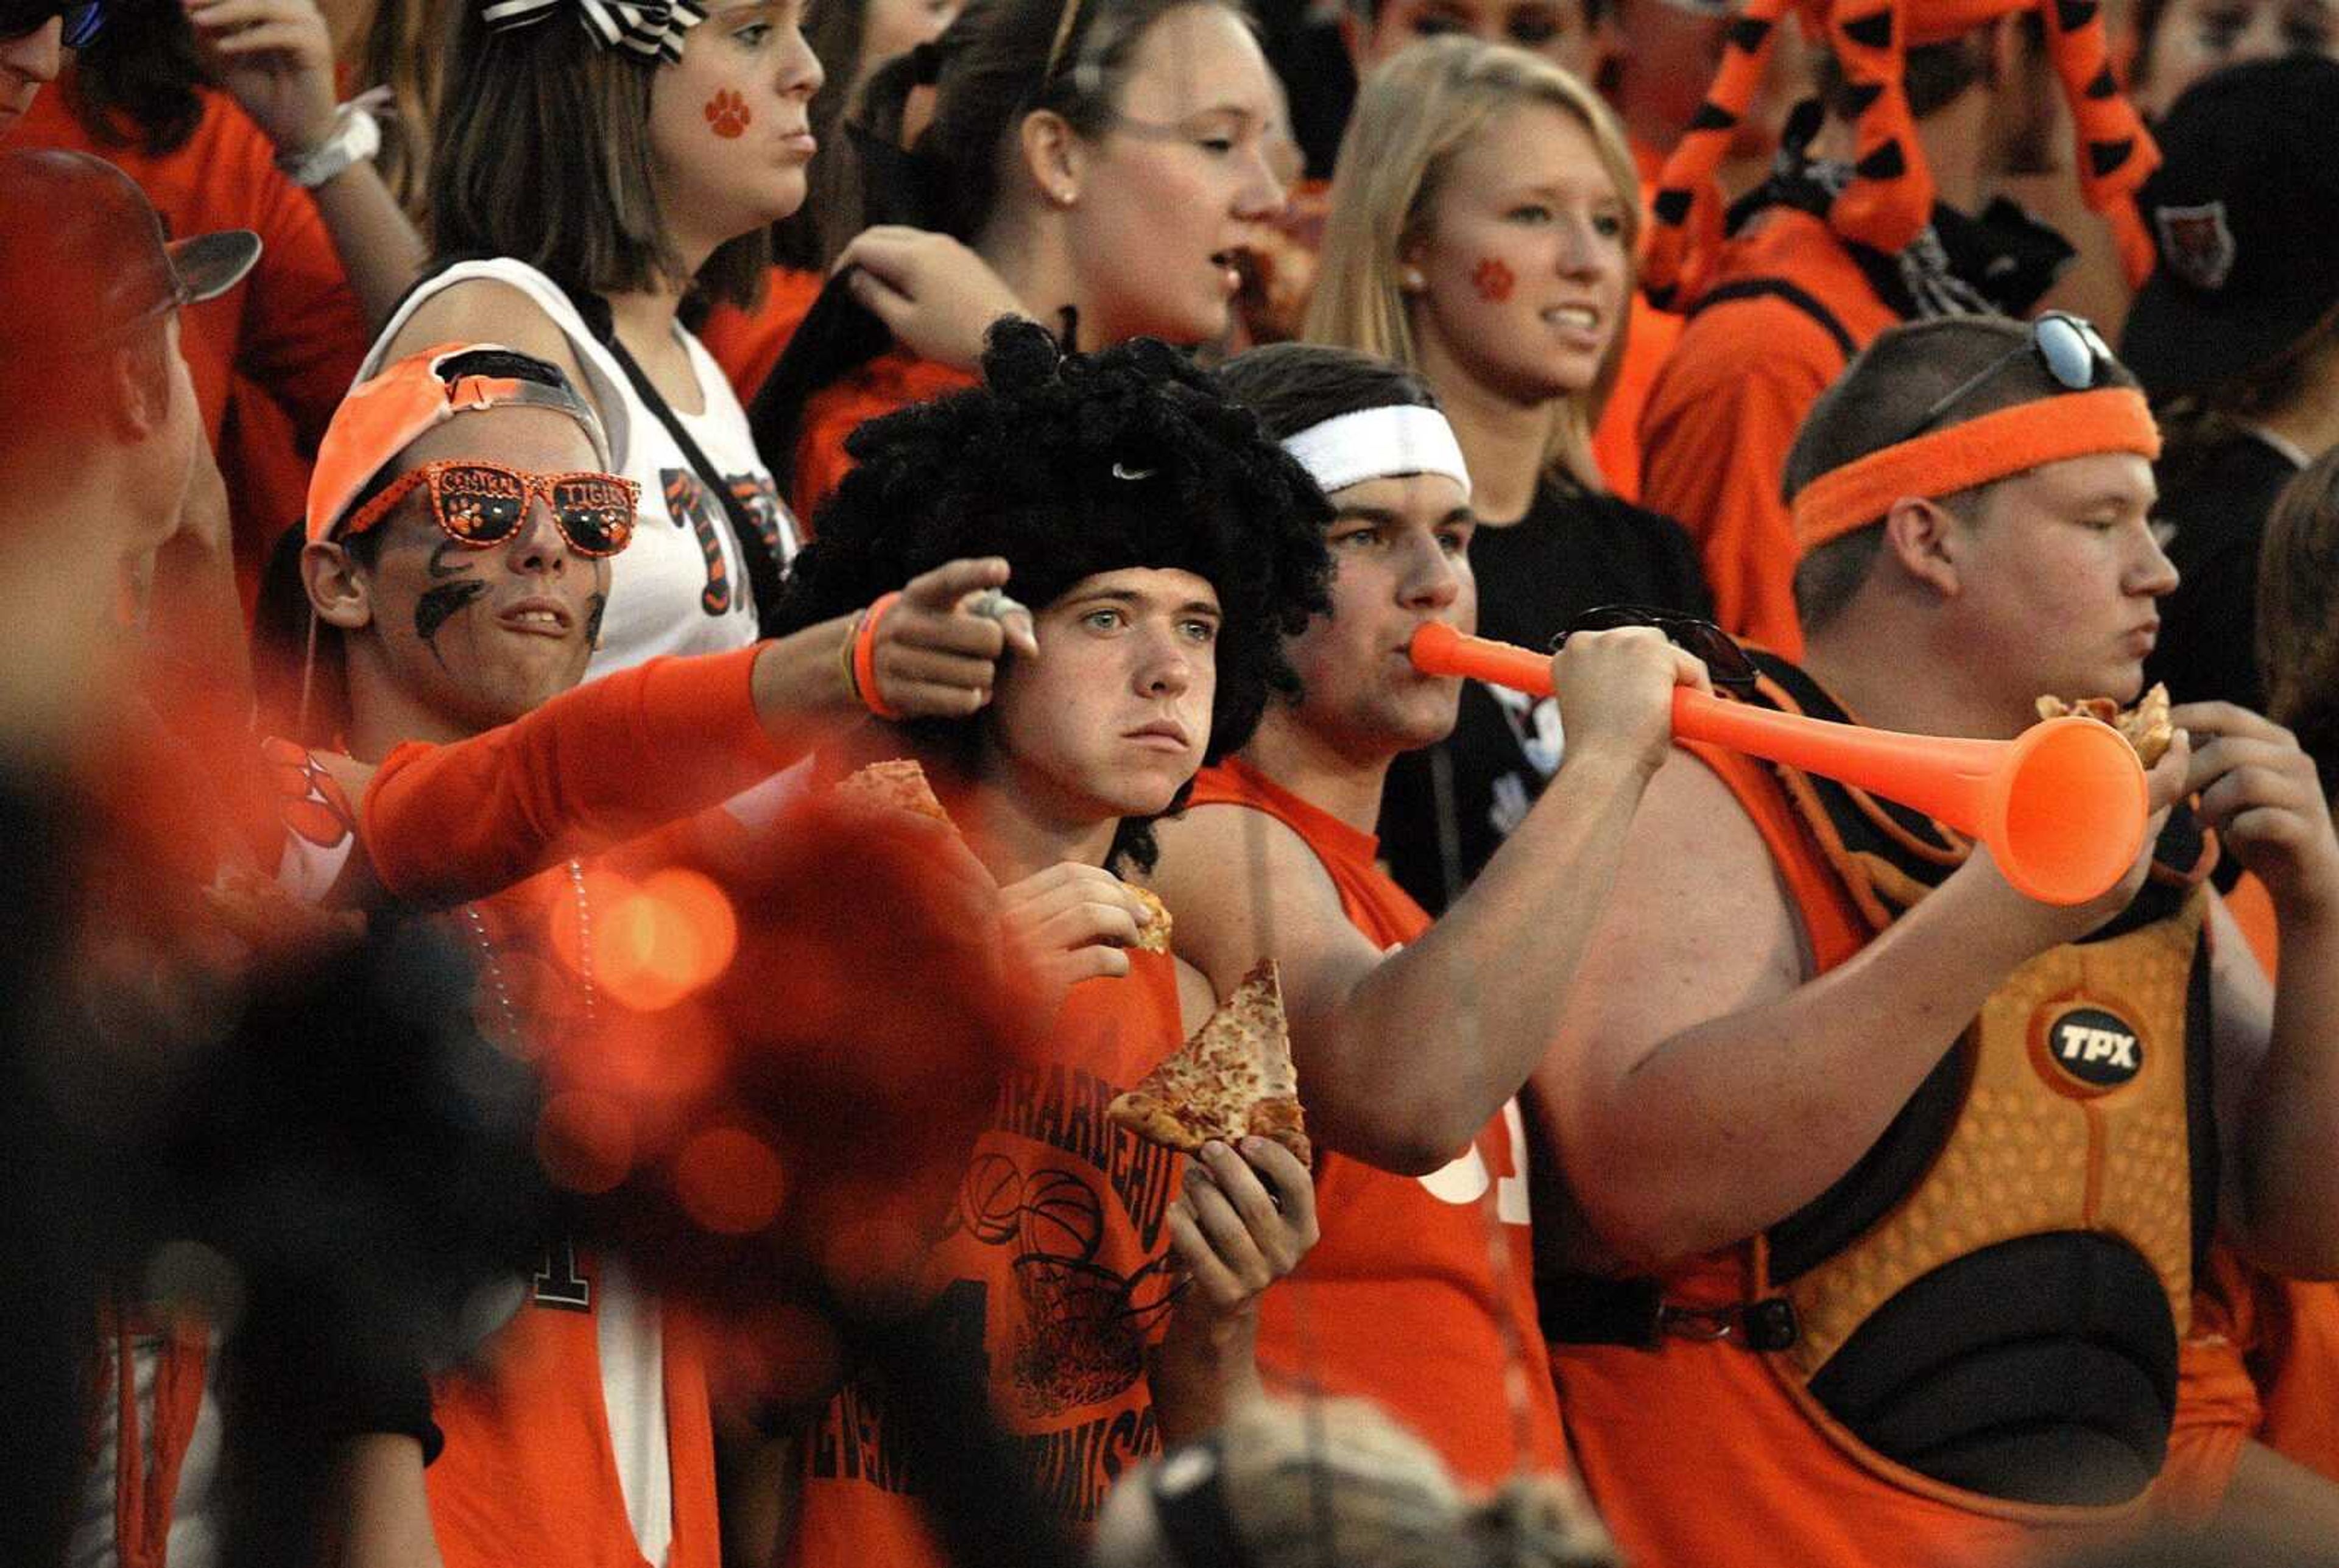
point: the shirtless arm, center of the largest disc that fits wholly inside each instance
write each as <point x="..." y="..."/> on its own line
<point x="2277" y="1070"/>
<point x="383" y="1515"/>
<point x="1403" y="1057"/>
<point x="1701" y="1088"/>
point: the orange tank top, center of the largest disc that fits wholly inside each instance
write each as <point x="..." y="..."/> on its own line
<point x="1054" y="1267"/>
<point x="531" y="1471"/>
<point x="1405" y="1300"/>
<point x="1779" y="1490"/>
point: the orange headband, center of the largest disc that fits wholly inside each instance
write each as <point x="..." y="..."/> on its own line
<point x="1993" y="447"/>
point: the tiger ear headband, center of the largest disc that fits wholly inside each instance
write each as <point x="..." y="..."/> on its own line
<point x="1890" y="198"/>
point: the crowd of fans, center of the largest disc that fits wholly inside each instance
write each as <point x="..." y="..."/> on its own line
<point x="500" y="1063"/>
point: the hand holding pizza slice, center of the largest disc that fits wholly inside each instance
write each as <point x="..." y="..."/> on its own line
<point x="2144" y="726"/>
<point x="1233" y="1079"/>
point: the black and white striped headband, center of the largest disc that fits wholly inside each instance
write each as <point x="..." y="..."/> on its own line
<point x="652" y="29"/>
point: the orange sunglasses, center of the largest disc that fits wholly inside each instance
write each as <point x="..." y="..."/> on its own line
<point x="482" y="504"/>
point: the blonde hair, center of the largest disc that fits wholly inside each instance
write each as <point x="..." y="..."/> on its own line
<point x="1339" y="1481"/>
<point x="1413" y="117"/>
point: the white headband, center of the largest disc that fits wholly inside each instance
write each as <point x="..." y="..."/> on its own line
<point x="1379" y="444"/>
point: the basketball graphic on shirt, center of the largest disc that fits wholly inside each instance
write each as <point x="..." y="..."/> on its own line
<point x="991" y="1199"/>
<point x="1062" y="1217"/>
<point x="1077" y="1344"/>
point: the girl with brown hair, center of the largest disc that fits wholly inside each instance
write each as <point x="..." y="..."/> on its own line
<point x="596" y="168"/>
<point x="1094" y="164"/>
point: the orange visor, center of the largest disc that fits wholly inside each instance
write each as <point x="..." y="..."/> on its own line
<point x="380" y="417"/>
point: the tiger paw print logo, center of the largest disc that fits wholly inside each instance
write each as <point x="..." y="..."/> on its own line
<point x="309" y="799"/>
<point x="728" y="113"/>
<point x="1079" y="1335"/>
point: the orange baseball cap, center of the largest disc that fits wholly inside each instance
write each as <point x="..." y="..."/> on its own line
<point x="382" y="416"/>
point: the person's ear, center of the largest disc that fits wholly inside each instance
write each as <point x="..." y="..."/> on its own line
<point x="1053" y="156"/>
<point x="1929" y="541"/>
<point x="141" y="386"/>
<point x="340" y="593"/>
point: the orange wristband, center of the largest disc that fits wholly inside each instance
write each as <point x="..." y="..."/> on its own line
<point x="864" y="658"/>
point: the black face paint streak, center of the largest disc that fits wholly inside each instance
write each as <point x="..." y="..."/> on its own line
<point x="440" y="604"/>
<point x="437" y="566"/>
<point x="594" y="608"/>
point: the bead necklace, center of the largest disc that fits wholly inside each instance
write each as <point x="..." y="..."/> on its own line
<point x="478" y="926"/>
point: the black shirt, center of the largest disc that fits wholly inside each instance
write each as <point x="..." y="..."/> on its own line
<point x="1571" y="551"/>
<point x="2216" y="497"/>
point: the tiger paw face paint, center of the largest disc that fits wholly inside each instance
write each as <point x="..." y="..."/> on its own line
<point x="1493" y="279"/>
<point x="728" y="116"/>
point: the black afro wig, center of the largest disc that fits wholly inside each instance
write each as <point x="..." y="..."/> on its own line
<point x="1070" y="465"/>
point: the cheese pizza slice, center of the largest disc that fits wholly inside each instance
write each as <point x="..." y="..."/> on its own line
<point x="1154" y="935"/>
<point x="900" y="784"/>
<point x="1233" y="1079"/>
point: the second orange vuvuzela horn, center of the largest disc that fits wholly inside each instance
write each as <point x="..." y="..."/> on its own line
<point x="2062" y="806"/>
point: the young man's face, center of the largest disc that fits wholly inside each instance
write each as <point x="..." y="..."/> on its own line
<point x="1400" y="558"/>
<point x="2058" y="579"/>
<point x="1560" y="31"/>
<point x="1112" y="718"/>
<point x="27" y="60"/>
<point x="481" y="637"/>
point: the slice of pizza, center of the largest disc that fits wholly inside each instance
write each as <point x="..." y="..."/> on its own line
<point x="1154" y="935"/>
<point x="900" y="784"/>
<point x="1233" y="1079"/>
<point x="2144" y="726"/>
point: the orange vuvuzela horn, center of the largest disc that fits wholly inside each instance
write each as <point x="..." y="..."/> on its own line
<point x="2061" y="806"/>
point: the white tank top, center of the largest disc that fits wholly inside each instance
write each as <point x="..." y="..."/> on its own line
<point x="681" y="587"/>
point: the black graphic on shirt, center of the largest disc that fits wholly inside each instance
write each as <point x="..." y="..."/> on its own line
<point x="1076" y="1320"/>
<point x="692" y="508"/>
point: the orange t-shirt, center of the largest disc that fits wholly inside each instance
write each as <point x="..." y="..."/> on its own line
<point x="1726" y="406"/>
<point x="1053" y="1267"/>
<point x="1403" y="1301"/>
<point x="836" y="411"/>
<point x="748" y="343"/>
<point x="1650" y="337"/>
<point x="292" y="332"/>
<point x="1774" y="1489"/>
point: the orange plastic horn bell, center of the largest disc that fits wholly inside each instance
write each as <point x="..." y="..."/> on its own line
<point x="2062" y="806"/>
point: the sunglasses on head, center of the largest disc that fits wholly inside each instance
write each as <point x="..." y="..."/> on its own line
<point x="21" y="18"/>
<point x="2073" y="352"/>
<point x="483" y="504"/>
<point x="1725" y="662"/>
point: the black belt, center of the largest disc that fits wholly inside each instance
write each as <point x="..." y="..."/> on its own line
<point x="1584" y="1309"/>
